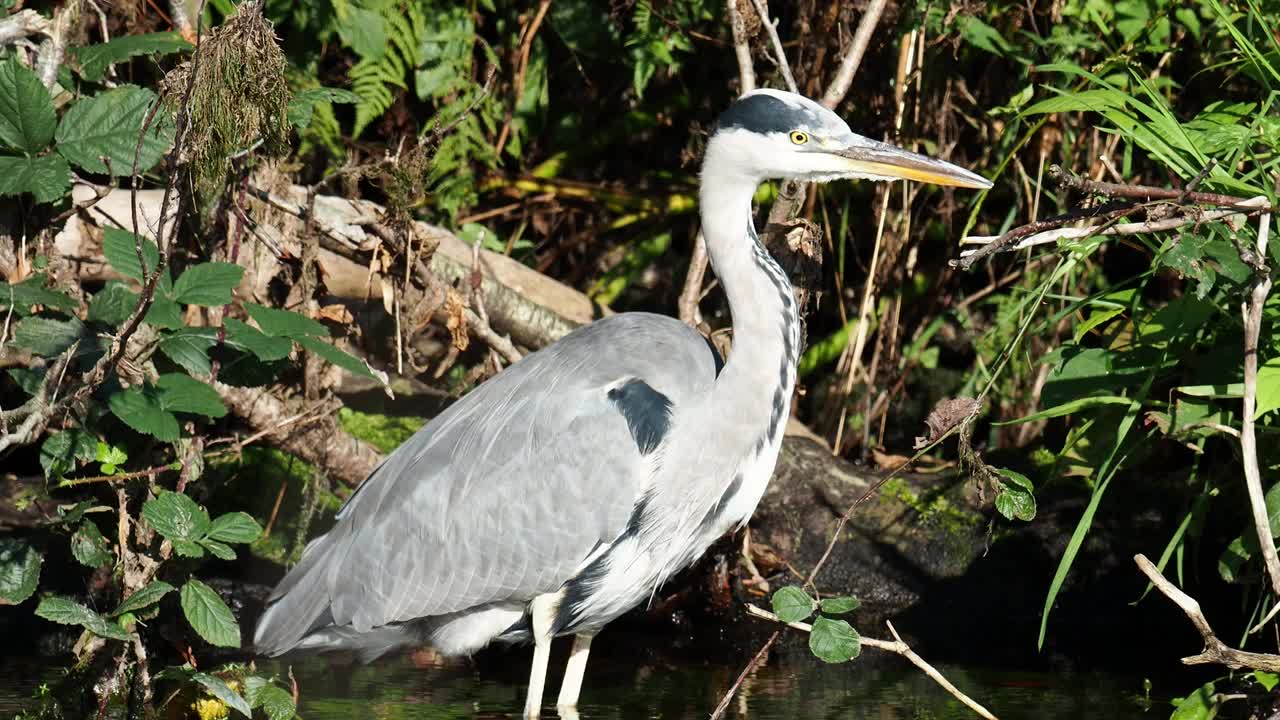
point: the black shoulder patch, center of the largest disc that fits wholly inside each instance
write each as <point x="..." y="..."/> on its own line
<point x="763" y="114"/>
<point x="647" y="412"/>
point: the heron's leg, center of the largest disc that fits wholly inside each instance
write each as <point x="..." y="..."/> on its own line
<point x="573" y="672"/>
<point x="541" y="613"/>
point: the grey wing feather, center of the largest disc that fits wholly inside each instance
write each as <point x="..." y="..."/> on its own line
<point x="502" y="496"/>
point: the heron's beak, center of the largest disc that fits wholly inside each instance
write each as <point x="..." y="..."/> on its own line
<point x="869" y="158"/>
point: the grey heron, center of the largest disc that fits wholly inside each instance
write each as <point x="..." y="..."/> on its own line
<point x="566" y="489"/>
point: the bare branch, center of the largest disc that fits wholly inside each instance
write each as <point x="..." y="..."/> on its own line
<point x="840" y="84"/>
<point x="741" y="48"/>
<point x="1252" y="311"/>
<point x="780" y="55"/>
<point x="896" y="646"/>
<point x="1215" y="651"/>
<point x="692" y="291"/>
<point x="1147" y="193"/>
<point x="54" y="50"/>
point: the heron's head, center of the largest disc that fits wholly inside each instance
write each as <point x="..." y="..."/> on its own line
<point x="769" y="134"/>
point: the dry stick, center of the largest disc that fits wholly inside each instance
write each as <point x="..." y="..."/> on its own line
<point x="742" y="676"/>
<point x="1215" y="651"/>
<point x="691" y="293"/>
<point x="780" y="55"/>
<point x="853" y="57"/>
<point x="1071" y="181"/>
<point x="522" y="68"/>
<point x="741" y="48"/>
<point x="897" y="646"/>
<point x="1252" y="311"/>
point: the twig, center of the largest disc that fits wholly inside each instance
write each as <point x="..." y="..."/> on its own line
<point x="780" y="56"/>
<point x="741" y="48"/>
<point x="692" y="291"/>
<point x="742" y="676"/>
<point x="1252" y="312"/>
<point x="1215" y="651"/>
<point x="1072" y="181"/>
<point x="116" y="478"/>
<point x="1024" y="240"/>
<point x="522" y="67"/>
<point x="897" y="646"/>
<point x="853" y="56"/>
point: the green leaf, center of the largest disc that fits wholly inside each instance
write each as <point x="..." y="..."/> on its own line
<point x="208" y="284"/>
<point x="1268" y="388"/>
<point x="839" y="605"/>
<point x="119" y="247"/>
<point x="26" y="110"/>
<point x="342" y="359"/>
<point x="149" y="594"/>
<point x="221" y="690"/>
<point x="1267" y="680"/>
<point x="220" y="550"/>
<point x="110" y="454"/>
<point x="208" y="615"/>
<point x="188" y="548"/>
<point x="363" y="31"/>
<point x="95" y="59"/>
<point x="142" y="410"/>
<point x="65" y="611"/>
<point x="108" y="125"/>
<point x="981" y="35"/>
<point x="1199" y="705"/>
<point x="89" y="547"/>
<point x="28" y="379"/>
<point x="164" y="313"/>
<point x="284" y="323"/>
<point x="248" y="338"/>
<point x="183" y="393"/>
<point x="235" y="527"/>
<point x="1099" y="100"/>
<point x="60" y="451"/>
<point x="113" y="304"/>
<point x="275" y="701"/>
<point x="189" y="348"/>
<point x="1068" y="408"/>
<point x="791" y="604"/>
<point x="19" y="570"/>
<point x="47" y="337"/>
<point x="46" y="177"/>
<point x="176" y="516"/>
<point x="31" y="292"/>
<point x="834" y="641"/>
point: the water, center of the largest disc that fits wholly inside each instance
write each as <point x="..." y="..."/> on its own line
<point x="620" y="689"/>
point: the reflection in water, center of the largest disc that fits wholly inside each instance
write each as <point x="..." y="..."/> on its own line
<point x="791" y="688"/>
<point x="623" y="684"/>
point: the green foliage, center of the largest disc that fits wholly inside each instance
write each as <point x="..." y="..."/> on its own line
<point x="208" y="615"/>
<point x="95" y="59"/>
<point x="26" y="111"/>
<point x="834" y="641"/>
<point x="20" y="565"/>
<point x="65" y="611"/>
<point x="791" y="604"/>
<point x="108" y="125"/>
<point x="146" y="596"/>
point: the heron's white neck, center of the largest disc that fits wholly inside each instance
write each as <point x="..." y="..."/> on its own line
<point x="760" y="373"/>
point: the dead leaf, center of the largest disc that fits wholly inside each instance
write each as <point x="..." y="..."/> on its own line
<point x="887" y="461"/>
<point x="455" y="310"/>
<point x="946" y="414"/>
<point x="336" y="312"/>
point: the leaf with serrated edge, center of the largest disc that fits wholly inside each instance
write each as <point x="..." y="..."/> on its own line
<point x="26" y="110"/>
<point x="119" y="247"/>
<point x="235" y="527"/>
<point x="208" y="615"/>
<point x="65" y="611"/>
<point x="221" y="690"/>
<point x="220" y="550"/>
<point x="839" y="605"/>
<point x="250" y="339"/>
<point x="791" y="604"/>
<point x="108" y="125"/>
<point x="834" y="641"/>
<point x="284" y="323"/>
<point x="207" y="284"/>
<point x="176" y="516"/>
<point x="149" y="594"/>
<point x="141" y="410"/>
<point x="95" y="59"/>
<point x="45" y="336"/>
<point x="189" y="348"/>
<point x="19" y="570"/>
<point x="183" y="393"/>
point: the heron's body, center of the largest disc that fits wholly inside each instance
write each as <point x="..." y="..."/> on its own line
<point x="563" y="491"/>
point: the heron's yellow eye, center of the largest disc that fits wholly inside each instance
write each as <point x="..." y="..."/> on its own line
<point x="798" y="137"/>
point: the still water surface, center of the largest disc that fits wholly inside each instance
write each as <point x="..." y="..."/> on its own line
<point x="620" y="690"/>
